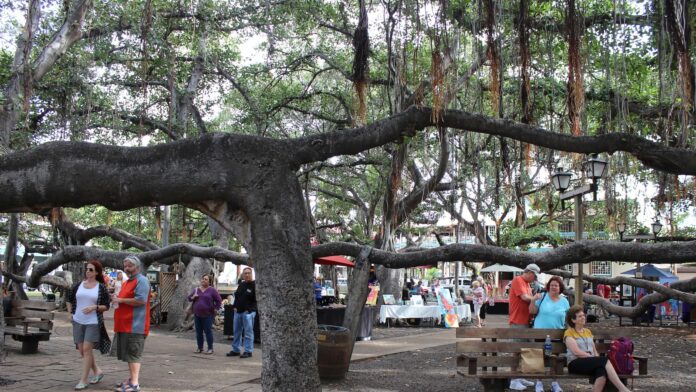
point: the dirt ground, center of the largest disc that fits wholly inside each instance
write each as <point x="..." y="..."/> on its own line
<point x="672" y="364"/>
<point x="671" y="352"/>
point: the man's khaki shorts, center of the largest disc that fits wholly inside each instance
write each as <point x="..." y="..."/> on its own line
<point x="129" y="346"/>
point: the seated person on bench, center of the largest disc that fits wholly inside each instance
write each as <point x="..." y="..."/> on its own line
<point x="582" y="354"/>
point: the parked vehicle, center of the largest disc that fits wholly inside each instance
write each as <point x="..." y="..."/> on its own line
<point x="464" y="283"/>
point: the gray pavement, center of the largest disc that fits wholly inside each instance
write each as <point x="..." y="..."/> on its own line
<point x="169" y="363"/>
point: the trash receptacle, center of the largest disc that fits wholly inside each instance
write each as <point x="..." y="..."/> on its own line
<point x="228" y="324"/>
<point x="333" y="352"/>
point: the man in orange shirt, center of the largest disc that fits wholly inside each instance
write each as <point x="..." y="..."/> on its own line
<point x="132" y="321"/>
<point x="520" y="296"/>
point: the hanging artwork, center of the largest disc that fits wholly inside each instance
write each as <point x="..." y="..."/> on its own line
<point x="372" y="297"/>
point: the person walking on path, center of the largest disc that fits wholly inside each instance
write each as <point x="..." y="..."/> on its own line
<point x="520" y="297"/>
<point x="117" y="283"/>
<point x="487" y="297"/>
<point x="479" y="299"/>
<point x="244" y="313"/>
<point x="132" y="321"/>
<point x="582" y="353"/>
<point x="206" y="301"/>
<point x="87" y="301"/>
<point x="550" y="312"/>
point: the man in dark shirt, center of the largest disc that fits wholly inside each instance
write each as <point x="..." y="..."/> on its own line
<point x="245" y="311"/>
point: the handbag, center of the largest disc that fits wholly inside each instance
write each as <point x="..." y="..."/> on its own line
<point x="532" y="316"/>
<point x="189" y="308"/>
<point x="531" y="360"/>
<point x="104" y="341"/>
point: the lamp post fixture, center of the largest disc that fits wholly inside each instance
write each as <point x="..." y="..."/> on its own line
<point x="594" y="168"/>
<point x="656" y="227"/>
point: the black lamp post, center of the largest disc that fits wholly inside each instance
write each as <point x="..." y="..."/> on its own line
<point x="190" y="227"/>
<point x="656" y="227"/>
<point x="594" y="168"/>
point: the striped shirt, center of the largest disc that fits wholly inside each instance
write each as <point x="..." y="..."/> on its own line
<point x="134" y="319"/>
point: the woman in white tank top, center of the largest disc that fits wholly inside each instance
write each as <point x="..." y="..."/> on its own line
<point x="87" y="301"/>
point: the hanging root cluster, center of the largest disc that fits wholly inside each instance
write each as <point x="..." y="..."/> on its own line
<point x="576" y="94"/>
<point x="493" y="57"/>
<point x="438" y="82"/>
<point x="361" y="47"/>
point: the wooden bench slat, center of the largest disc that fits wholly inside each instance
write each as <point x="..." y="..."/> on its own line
<point x="531" y="333"/>
<point x="502" y="347"/>
<point x="490" y="361"/>
<point x="30" y="313"/>
<point x="491" y="353"/>
<point x="34" y="304"/>
<point x="531" y="376"/>
<point x="28" y="332"/>
<point x="29" y="322"/>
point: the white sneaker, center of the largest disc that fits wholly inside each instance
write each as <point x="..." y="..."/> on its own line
<point x="516" y="385"/>
<point x="555" y="387"/>
<point x="539" y="386"/>
<point x="526" y="383"/>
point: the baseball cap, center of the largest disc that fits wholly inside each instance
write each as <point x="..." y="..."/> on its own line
<point x="534" y="268"/>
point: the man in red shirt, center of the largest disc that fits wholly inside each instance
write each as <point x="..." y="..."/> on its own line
<point x="520" y="296"/>
<point x="132" y="320"/>
<point x="604" y="291"/>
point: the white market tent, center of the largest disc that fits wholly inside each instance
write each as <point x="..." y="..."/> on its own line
<point x="501" y="268"/>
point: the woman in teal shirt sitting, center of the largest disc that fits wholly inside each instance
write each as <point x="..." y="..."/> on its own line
<point x="550" y="309"/>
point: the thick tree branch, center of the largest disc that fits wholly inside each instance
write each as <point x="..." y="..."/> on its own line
<point x="409" y="203"/>
<point x="69" y="33"/>
<point x="577" y="252"/>
<point x="114" y="259"/>
<point x="323" y="146"/>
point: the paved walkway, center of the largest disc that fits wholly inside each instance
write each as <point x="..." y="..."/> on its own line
<point x="168" y="363"/>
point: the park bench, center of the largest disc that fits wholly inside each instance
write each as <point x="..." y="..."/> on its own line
<point x="29" y="322"/>
<point x="489" y="354"/>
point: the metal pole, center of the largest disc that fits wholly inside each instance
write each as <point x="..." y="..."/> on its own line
<point x="578" y="237"/>
<point x="456" y="265"/>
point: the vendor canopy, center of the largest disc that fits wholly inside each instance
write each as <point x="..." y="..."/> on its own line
<point x="334" y="260"/>
<point x="650" y="271"/>
<point x="501" y="268"/>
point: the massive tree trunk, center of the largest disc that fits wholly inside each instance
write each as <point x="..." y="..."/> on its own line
<point x="176" y="317"/>
<point x="280" y="252"/>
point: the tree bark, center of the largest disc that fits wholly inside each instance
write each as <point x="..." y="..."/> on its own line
<point x="358" y="293"/>
<point x="281" y="254"/>
<point x="190" y="279"/>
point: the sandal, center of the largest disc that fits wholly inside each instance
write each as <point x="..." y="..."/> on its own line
<point x="81" y="386"/>
<point x="122" y="383"/>
<point x="130" y="388"/>
<point x="96" y="379"/>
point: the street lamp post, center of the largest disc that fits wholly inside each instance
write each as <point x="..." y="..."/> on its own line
<point x="190" y="226"/>
<point x="656" y="227"/>
<point x="594" y="169"/>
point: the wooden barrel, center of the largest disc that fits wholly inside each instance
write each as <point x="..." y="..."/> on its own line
<point x="333" y="353"/>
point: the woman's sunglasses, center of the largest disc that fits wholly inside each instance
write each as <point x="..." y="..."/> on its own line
<point x="91" y="269"/>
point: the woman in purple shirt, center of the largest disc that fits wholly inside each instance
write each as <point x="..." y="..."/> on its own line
<point x="206" y="301"/>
